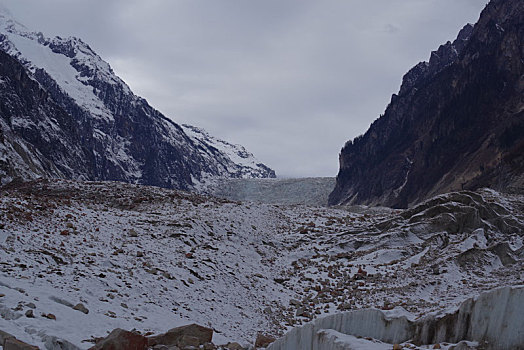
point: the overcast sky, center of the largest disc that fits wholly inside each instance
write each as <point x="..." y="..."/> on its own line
<point x="291" y="80"/>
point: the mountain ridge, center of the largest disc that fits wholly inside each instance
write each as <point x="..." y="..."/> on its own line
<point x="454" y="125"/>
<point x="122" y="137"/>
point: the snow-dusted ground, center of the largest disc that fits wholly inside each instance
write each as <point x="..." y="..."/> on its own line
<point x="151" y="259"/>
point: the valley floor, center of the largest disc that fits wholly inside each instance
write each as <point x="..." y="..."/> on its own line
<point x="151" y="259"/>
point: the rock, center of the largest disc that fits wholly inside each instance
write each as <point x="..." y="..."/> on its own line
<point x="301" y="311"/>
<point x="80" y="307"/>
<point x="120" y="339"/>
<point x="397" y="347"/>
<point x="234" y="346"/>
<point x="29" y="313"/>
<point x="31" y="305"/>
<point x="209" y="346"/>
<point x="176" y="336"/>
<point x="188" y="341"/>
<point x="4" y="336"/>
<point x="436" y="346"/>
<point x="430" y="141"/>
<point x="294" y="302"/>
<point x="15" y="344"/>
<point x="49" y="316"/>
<point x="263" y="341"/>
<point x="132" y="233"/>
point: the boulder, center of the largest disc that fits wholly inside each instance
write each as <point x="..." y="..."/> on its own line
<point x="234" y="346"/>
<point x="263" y="341"/>
<point x="120" y="339"/>
<point x="80" y="307"/>
<point x="15" y="344"/>
<point x="4" y="336"/>
<point x="184" y="336"/>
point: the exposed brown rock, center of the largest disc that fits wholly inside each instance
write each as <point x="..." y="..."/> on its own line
<point x="263" y="341"/>
<point x="120" y="339"/>
<point x="15" y="344"/>
<point x="181" y="336"/>
<point x="80" y="307"/>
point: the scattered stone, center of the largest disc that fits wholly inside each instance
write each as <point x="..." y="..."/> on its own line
<point x="294" y="302"/>
<point x="49" y="316"/>
<point x="80" y="307"/>
<point x="397" y="347"/>
<point x="120" y="339"/>
<point x="436" y="346"/>
<point x="263" y="341"/>
<point x="132" y="233"/>
<point x="29" y="313"/>
<point x="31" y="305"/>
<point x="139" y="254"/>
<point x="301" y="311"/>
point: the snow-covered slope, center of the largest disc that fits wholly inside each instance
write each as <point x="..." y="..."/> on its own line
<point x="240" y="162"/>
<point x="120" y="135"/>
<point x="152" y="259"/>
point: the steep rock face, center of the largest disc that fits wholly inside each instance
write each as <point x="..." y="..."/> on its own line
<point x="239" y="162"/>
<point x="26" y="109"/>
<point x="111" y="134"/>
<point x="457" y="122"/>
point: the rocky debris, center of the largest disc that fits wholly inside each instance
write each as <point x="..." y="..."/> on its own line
<point x="120" y="339"/>
<point x="189" y="335"/>
<point x="29" y="313"/>
<point x="424" y="259"/>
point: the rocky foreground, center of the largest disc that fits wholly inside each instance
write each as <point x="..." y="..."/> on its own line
<point x="79" y="260"/>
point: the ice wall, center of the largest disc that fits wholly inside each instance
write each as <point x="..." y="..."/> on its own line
<point x="494" y="319"/>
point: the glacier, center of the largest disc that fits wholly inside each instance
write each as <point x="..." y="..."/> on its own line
<point x="493" y="319"/>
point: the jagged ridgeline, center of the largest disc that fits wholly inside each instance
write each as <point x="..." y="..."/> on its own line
<point x="65" y="114"/>
<point x="456" y="123"/>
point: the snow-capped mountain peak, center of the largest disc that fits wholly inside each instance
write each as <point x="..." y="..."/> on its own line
<point x="245" y="165"/>
<point x="115" y="134"/>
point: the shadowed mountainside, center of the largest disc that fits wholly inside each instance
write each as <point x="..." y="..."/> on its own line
<point x="457" y="122"/>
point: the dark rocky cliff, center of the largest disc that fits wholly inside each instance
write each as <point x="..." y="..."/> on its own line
<point x="65" y="114"/>
<point x="37" y="153"/>
<point x="457" y="122"/>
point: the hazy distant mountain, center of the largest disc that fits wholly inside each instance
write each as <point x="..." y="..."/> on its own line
<point x="457" y="122"/>
<point x="64" y="113"/>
